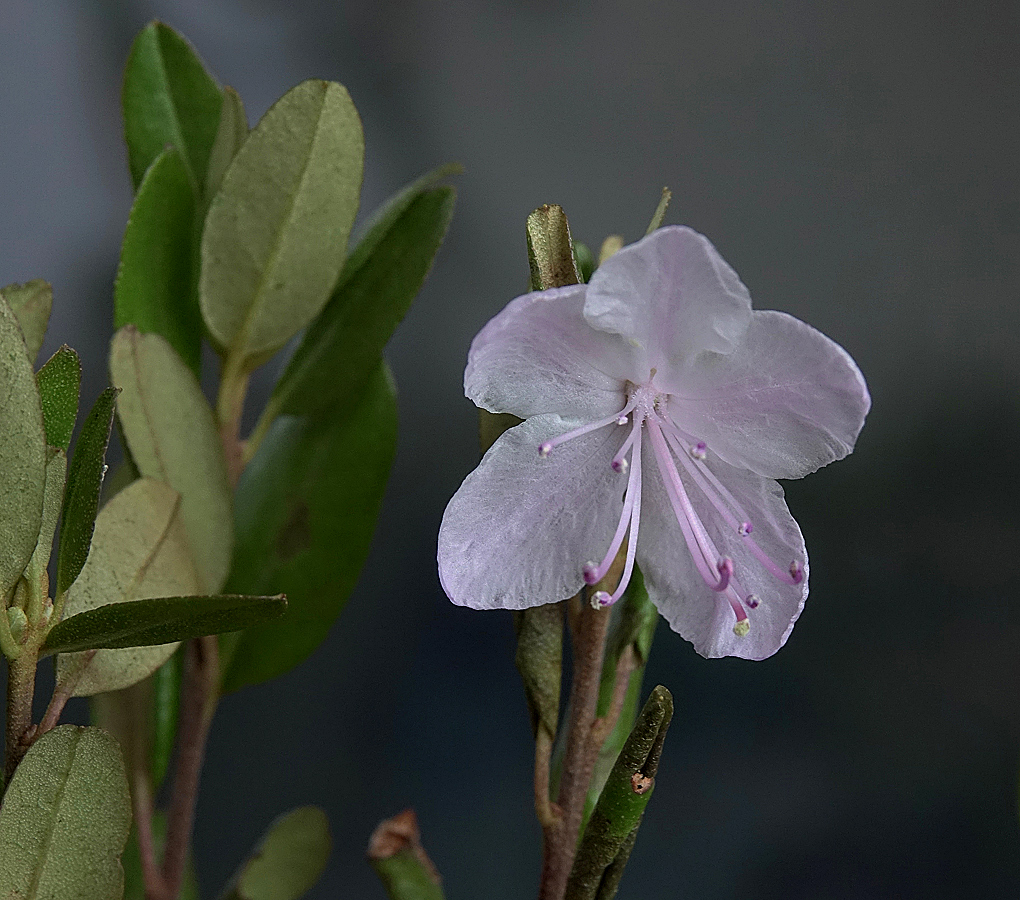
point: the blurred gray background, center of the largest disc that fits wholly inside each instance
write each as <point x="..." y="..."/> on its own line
<point x="857" y="165"/>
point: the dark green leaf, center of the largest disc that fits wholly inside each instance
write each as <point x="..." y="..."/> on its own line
<point x="59" y="384"/>
<point x="84" y="481"/>
<point x="289" y="861"/>
<point x="31" y="303"/>
<point x="154" y="289"/>
<point x="306" y="509"/>
<point x="22" y="454"/>
<point x="276" y="233"/>
<point x="231" y="133"/>
<point x="65" y="819"/>
<point x="163" y="620"/>
<point x="376" y="287"/>
<point x="169" y="98"/>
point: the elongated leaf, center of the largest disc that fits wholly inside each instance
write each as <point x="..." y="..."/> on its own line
<point x="53" y="500"/>
<point x="166" y="697"/>
<point x="31" y="303"/>
<point x="139" y="550"/>
<point x="22" y="454"/>
<point x="59" y="384"/>
<point x="289" y="861"/>
<point x="65" y="819"/>
<point x="231" y="133"/>
<point x="84" y="482"/>
<point x="276" y="233"/>
<point x="306" y="511"/>
<point x="169" y="98"/>
<point x="162" y="620"/>
<point x="154" y="290"/>
<point x="376" y="287"/>
<point x="170" y="432"/>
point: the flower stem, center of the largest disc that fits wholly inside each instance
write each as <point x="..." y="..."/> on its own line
<point x="561" y="841"/>
<point x="199" y="694"/>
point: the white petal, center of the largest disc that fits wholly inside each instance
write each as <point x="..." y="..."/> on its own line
<point x="786" y="402"/>
<point x="698" y="613"/>
<point x="539" y="356"/>
<point x="671" y="296"/>
<point x="521" y="527"/>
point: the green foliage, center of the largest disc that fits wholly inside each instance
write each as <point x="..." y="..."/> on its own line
<point x="172" y="437"/>
<point x="139" y="551"/>
<point x="65" y="819"/>
<point x="166" y="697"/>
<point x="59" y="383"/>
<point x="231" y="133"/>
<point x="145" y="623"/>
<point x="155" y="290"/>
<point x="84" y="482"/>
<point x="276" y="233"/>
<point x="22" y="454"/>
<point x="306" y="509"/>
<point x="289" y="861"/>
<point x="380" y="279"/>
<point x="168" y="98"/>
<point x="551" y="249"/>
<point x="31" y="303"/>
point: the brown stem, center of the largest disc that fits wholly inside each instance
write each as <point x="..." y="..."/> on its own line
<point x="141" y="797"/>
<point x="61" y="694"/>
<point x="20" y="693"/>
<point x="198" y="702"/>
<point x="604" y="725"/>
<point x="548" y="816"/>
<point x="561" y="843"/>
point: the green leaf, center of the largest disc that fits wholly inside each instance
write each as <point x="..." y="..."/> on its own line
<point x="84" y="482"/>
<point x="168" y="98"/>
<point x="660" y="210"/>
<point x="31" y="303"/>
<point x="306" y="509"/>
<point x="382" y="276"/>
<point x="53" y="500"/>
<point x="22" y="454"/>
<point x="231" y="133"/>
<point x="162" y="620"/>
<point x="65" y="819"/>
<point x="139" y="551"/>
<point x="289" y="861"/>
<point x="169" y="429"/>
<point x="276" y="233"/>
<point x="59" y="384"/>
<point x="396" y="853"/>
<point x="154" y="289"/>
<point x="166" y="701"/>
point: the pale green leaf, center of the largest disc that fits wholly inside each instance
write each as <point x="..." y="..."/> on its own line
<point x="53" y="500"/>
<point x="65" y="819"/>
<point x="31" y="303"/>
<point x="289" y="861"/>
<point x="59" y="383"/>
<point x="172" y="437"/>
<point x="139" y="550"/>
<point x="231" y="133"/>
<point x="22" y="454"/>
<point x="168" y="98"/>
<point x="276" y="233"/>
<point x="155" y="288"/>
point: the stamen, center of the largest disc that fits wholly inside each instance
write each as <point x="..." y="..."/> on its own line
<point x="742" y="626"/>
<point x="698" y="450"/>
<point x="698" y="542"/>
<point x="600" y="600"/>
<point x="796" y="572"/>
<point x="751" y="601"/>
<point x="635" y="522"/>
<point x="745" y="529"/>
<point x="622" y="420"/>
<point x="620" y="465"/>
<point x="725" y="567"/>
<point x="546" y="447"/>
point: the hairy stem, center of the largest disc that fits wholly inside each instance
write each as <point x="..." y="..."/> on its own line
<point x="199" y="694"/>
<point x="561" y="844"/>
<point x="20" y="693"/>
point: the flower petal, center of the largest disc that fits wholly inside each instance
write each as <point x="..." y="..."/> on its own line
<point x="699" y="614"/>
<point x="540" y="356"/>
<point x="671" y="296"/>
<point x="521" y="527"/>
<point x="785" y="403"/>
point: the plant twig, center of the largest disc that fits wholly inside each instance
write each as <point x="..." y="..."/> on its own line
<point x="20" y="693"/>
<point x="198" y="702"/>
<point x="62" y="692"/>
<point x="399" y="859"/>
<point x="561" y="845"/>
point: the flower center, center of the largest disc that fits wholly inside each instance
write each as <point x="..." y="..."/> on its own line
<point x="646" y="414"/>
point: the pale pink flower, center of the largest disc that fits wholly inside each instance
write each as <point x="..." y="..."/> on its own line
<point x="659" y="408"/>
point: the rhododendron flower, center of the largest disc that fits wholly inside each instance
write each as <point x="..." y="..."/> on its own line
<point x="659" y="408"/>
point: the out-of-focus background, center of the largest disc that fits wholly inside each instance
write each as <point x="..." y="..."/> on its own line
<point x="857" y="165"/>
